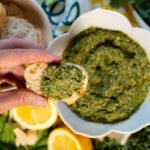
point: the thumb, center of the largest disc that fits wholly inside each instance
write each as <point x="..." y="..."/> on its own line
<point x="22" y="97"/>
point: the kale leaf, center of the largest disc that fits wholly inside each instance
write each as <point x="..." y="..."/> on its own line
<point x="139" y="140"/>
<point x="119" y="3"/>
<point x="106" y="144"/>
<point x="143" y="8"/>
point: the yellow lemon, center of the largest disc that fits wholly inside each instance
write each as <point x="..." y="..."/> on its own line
<point x="63" y="139"/>
<point x="35" y="118"/>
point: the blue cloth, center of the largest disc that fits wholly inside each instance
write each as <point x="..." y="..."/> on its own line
<point x="62" y="13"/>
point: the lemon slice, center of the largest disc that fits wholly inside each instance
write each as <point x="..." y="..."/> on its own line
<point x="63" y="139"/>
<point x="35" y="118"/>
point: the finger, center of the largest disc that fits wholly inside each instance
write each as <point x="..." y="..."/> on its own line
<point x="13" y="80"/>
<point x="14" y="98"/>
<point x="6" y="79"/>
<point x="13" y="58"/>
<point x="17" y="71"/>
<point x="14" y="76"/>
<point x="14" y="43"/>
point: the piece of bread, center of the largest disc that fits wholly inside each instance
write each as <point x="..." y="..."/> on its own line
<point x="34" y="73"/>
<point x="20" y="28"/>
<point x="3" y="17"/>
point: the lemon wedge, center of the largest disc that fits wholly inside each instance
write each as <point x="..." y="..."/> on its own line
<point x="35" y="118"/>
<point x="63" y="139"/>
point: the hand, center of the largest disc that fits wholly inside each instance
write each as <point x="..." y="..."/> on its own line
<point x="14" y="54"/>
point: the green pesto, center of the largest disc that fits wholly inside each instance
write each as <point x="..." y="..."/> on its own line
<point x="118" y="70"/>
<point x="60" y="82"/>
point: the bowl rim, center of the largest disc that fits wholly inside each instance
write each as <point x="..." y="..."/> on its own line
<point x="46" y="20"/>
<point x="123" y="26"/>
<point x="43" y="17"/>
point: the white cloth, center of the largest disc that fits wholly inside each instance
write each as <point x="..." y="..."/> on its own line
<point x="62" y="13"/>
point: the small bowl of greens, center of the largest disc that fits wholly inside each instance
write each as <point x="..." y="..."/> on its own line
<point x="116" y="58"/>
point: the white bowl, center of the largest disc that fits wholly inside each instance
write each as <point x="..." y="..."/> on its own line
<point x="108" y="20"/>
<point x="33" y="12"/>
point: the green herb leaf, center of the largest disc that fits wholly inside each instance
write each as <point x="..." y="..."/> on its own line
<point x="2" y="123"/>
<point x="107" y="144"/>
<point x="143" y="8"/>
<point x="6" y="146"/>
<point x="6" y="131"/>
<point x="119" y="3"/>
<point x="7" y="136"/>
<point x="42" y="140"/>
<point x="139" y="140"/>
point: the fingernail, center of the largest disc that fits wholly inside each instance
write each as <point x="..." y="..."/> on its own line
<point x="41" y="103"/>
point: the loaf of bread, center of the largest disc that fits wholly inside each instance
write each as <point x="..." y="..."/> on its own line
<point x="34" y="73"/>
<point x="13" y="10"/>
<point x="20" y="28"/>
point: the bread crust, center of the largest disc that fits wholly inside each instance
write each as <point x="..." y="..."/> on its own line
<point x="3" y="17"/>
<point x="34" y="73"/>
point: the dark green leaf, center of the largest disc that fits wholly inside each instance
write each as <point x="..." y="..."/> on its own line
<point x="6" y="146"/>
<point x="2" y="122"/>
<point x="140" y="140"/>
<point x="7" y="136"/>
<point x="143" y="8"/>
<point x="106" y="144"/>
<point x="119" y="3"/>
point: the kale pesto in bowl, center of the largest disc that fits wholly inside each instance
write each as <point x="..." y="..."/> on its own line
<point x="118" y="70"/>
<point x="116" y="58"/>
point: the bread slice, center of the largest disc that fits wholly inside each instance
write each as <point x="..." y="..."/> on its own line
<point x="3" y="17"/>
<point x="34" y="73"/>
<point x="20" y="28"/>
